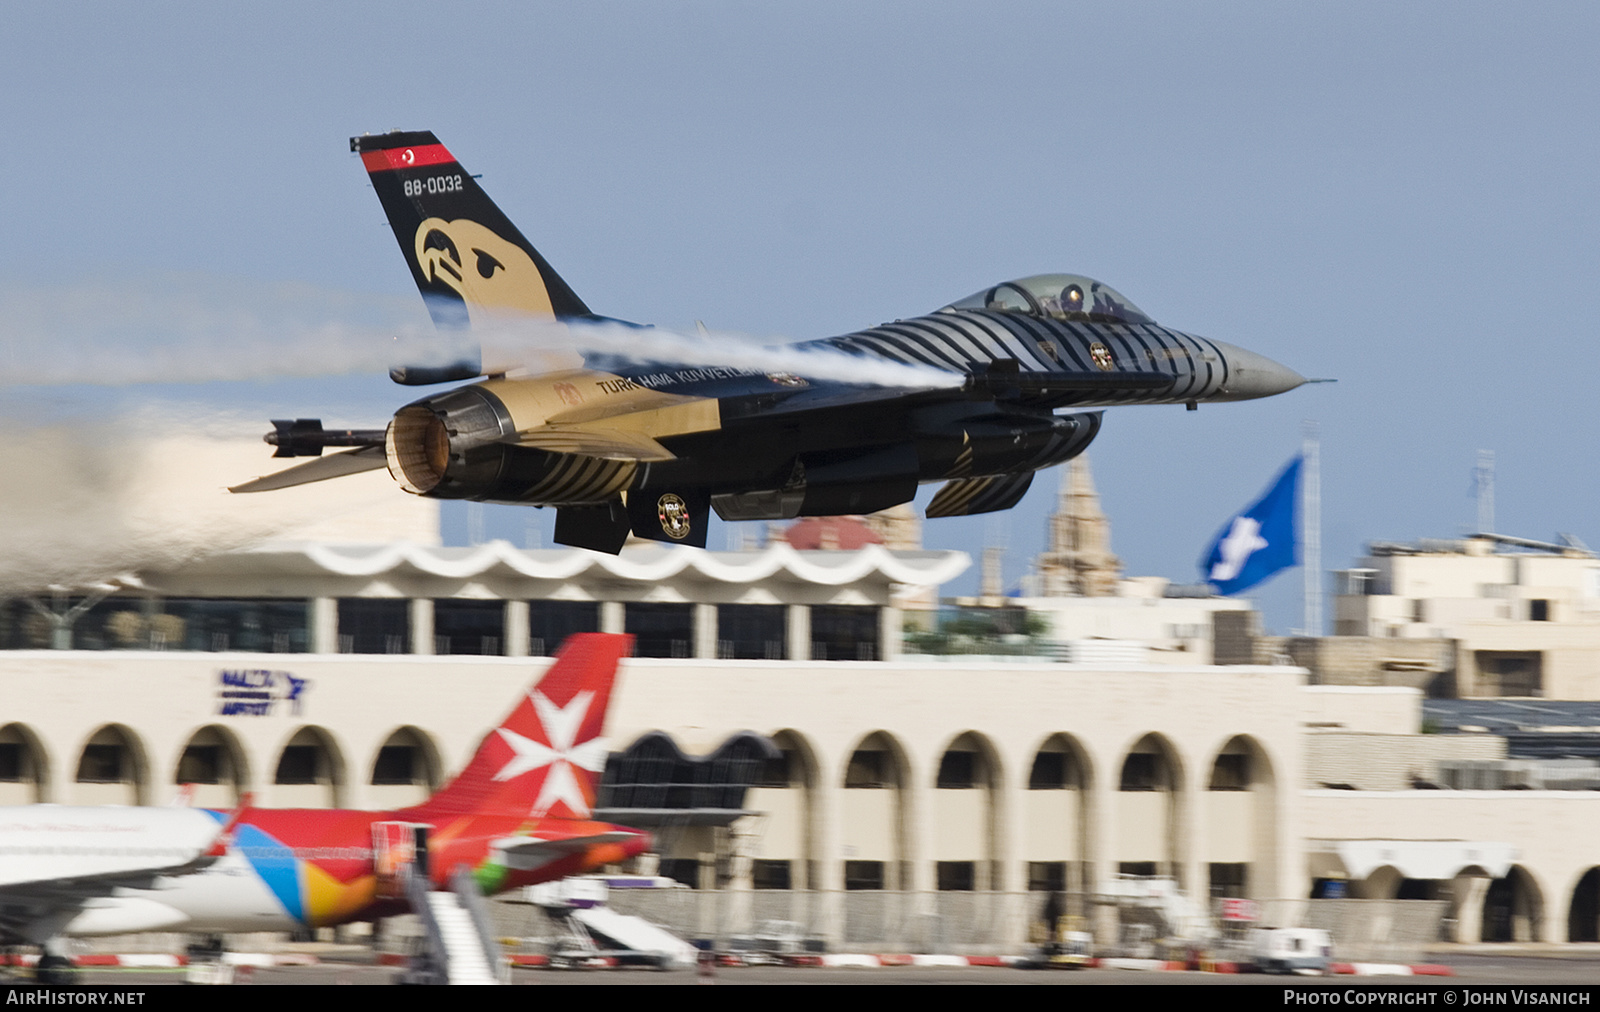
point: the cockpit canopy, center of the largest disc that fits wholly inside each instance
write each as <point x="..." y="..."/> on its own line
<point x="1058" y="296"/>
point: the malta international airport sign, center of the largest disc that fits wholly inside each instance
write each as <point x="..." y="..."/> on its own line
<point x="260" y="692"/>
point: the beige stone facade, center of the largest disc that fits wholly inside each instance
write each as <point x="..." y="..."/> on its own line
<point x="935" y="776"/>
<point x="1524" y="622"/>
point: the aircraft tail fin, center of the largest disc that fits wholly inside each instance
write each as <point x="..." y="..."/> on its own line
<point x="467" y="258"/>
<point x="545" y="758"/>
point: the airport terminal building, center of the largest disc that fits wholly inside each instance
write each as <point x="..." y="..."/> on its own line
<point x="794" y="751"/>
<point x="776" y="739"/>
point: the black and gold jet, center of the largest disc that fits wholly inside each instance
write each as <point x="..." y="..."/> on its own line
<point x="634" y="445"/>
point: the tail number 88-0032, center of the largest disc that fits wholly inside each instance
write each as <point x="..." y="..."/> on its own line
<point x="433" y="184"/>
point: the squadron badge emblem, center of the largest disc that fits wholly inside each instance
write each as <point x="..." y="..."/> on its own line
<point x="673" y="513"/>
<point x="1101" y="356"/>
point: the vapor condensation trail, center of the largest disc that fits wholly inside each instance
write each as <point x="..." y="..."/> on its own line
<point x="102" y="491"/>
<point x="194" y="329"/>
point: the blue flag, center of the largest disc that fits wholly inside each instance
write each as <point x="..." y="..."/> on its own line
<point x="1259" y="541"/>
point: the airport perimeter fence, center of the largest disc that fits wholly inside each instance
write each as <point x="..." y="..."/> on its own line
<point x="1365" y="931"/>
<point x="797" y="920"/>
<point x="1379" y="931"/>
<point x="1375" y="931"/>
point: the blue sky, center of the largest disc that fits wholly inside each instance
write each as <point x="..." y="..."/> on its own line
<point x="1399" y="196"/>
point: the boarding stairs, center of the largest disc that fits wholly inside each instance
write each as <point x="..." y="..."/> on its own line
<point x="589" y="930"/>
<point x="458" y="944"/>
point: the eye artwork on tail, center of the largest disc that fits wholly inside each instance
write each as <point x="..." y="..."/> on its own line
<point x="1002" y="384"/>
<point x="486" y="271"/>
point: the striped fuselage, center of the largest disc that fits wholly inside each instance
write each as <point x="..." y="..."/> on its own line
<point x="772" y="431"/>
<point x="940" y="434"/>
<point x="967" y="341"/>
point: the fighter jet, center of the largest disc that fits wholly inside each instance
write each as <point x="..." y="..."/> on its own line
<point x="1002" y="383"/>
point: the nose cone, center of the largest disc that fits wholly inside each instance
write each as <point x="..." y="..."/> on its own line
<point x="1251" y="376"/>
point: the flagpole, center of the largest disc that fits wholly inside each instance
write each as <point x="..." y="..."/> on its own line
<point x="1311" y="528"/>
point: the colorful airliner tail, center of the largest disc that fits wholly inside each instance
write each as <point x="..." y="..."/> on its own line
<point x="545" y="758"/>
<point x="469" y="261"/>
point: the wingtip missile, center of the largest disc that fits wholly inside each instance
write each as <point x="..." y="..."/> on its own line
<point x="305" y="437"/>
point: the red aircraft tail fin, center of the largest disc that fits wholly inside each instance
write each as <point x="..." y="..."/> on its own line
<point x="545" y="758"/>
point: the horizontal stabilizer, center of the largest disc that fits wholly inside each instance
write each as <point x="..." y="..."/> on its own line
<point x="335" y="465"/>
<point x="524" y="853"/>
<point x="968" y="496"/>
<point x="587" y="441"/>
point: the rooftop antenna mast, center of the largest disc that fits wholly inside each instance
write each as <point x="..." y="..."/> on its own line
<point x="1311" y="526"/>
<point x="996" y="535"/>
<point x="1483" y="482"/>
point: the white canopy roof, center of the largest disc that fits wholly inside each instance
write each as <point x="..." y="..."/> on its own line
<point x="1419" y="859"/>
<point x="499" y="563"/>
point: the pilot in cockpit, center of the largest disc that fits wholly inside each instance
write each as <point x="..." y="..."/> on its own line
<point x="1066" y="306"/>
<point x="1055" y="296"/>
<point x="1072" y="300"/>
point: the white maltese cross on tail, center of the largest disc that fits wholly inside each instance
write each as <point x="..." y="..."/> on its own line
<point x="557" y="754"/>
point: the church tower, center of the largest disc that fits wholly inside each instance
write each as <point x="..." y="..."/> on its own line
<point x="1079" y="562"/>
<point x="898" y="526"/>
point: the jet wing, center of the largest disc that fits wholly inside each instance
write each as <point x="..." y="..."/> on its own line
<point x="51" y="862"/>
<point x="523" y="853"/>
<point x="39" y="880"/>
<point x="334" y="465"/>
<point x="1002" y="381"/>
<point x="1069" y="382"/>
<point x="824" y="396"/>
<point x="1006" y="379"/>
<point x="38" y="908"/>
<point x="592" y="441"/>
<point x="54" y="869"/>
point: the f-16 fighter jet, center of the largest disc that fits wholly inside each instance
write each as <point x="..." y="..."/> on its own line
<point x="989" y="389"/>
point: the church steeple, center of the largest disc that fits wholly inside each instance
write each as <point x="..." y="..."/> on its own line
<point x="1079" y="562"/>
